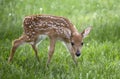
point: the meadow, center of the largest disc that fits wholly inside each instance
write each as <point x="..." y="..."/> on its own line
<point x="100" y="57"/>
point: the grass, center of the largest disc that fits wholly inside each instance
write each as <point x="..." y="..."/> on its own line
<point x="100" y="57"/>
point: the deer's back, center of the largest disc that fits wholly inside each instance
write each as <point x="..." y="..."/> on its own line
<point x="46" y="24"/>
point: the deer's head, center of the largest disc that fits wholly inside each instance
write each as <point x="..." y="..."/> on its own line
<point x="77" y="40"/>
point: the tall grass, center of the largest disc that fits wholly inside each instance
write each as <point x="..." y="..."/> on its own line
<point x="100" y="57"/>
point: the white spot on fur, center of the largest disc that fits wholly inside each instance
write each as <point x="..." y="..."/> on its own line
<point x="30" y="26"/>
<point x="27" y="36"/>
<point x="33" y="32"/>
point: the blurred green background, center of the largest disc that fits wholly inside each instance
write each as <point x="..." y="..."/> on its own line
<point x="101" y="54"/>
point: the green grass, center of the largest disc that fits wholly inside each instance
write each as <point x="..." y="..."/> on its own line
<point x="100" y="57"/>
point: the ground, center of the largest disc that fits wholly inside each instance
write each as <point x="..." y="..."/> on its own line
<point x="100" y="57"/>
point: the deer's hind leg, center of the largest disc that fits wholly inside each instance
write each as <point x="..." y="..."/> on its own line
<point x="16" y="44"/>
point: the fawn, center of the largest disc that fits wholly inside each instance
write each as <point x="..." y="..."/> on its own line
<point x="56" y="28"/>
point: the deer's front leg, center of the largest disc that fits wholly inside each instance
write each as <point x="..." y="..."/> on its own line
<point x="70" y="48"/>
<point x="51" y="49"/>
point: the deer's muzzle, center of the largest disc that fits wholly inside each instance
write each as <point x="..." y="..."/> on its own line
<point x="78" y="53"/>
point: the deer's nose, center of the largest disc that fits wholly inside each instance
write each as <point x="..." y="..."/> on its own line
<point x="78" y="53"/>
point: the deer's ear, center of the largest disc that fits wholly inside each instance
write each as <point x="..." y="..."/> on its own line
<point x="86" y="32"/>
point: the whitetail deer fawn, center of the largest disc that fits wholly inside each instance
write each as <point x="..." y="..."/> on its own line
<point x="56" y="28"/>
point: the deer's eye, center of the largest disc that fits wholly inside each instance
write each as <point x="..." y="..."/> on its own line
<point x="72" y="43"/>
<point x="82" y="43"/>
